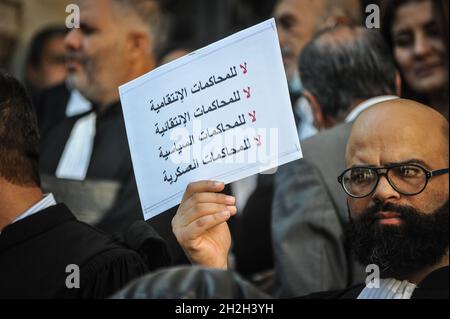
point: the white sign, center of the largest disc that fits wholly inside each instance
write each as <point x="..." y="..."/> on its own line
<point x="220" y="113"/>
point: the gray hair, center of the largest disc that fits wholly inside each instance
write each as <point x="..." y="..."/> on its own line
<point x="343" y="65"/>
<point x="152" y="17"/>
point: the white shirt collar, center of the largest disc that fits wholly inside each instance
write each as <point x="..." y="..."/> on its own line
<point x="366" y="104"/>
<point x="389" y="288"/>
<point x="44" y="203"/>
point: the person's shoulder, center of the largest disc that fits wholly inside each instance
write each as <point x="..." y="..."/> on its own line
<point x="434" y="286"/>
<point x="332" y="136"/>
<point x="89" y="234"/>
<point x="83" y="240"/>
<point x="99" y="250"/>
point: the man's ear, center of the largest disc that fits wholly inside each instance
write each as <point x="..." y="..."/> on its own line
<point x="319" y="119"/>
<point x="398" y="84"/>
<point x="138" y="44"/>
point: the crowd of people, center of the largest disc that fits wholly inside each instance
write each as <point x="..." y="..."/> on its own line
<point x="371" y="108"/>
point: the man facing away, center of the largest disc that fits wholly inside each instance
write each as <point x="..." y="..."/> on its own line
<point x="44" y="251"/>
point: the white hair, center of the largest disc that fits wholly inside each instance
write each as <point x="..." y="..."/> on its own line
<point x="150" y="16"/>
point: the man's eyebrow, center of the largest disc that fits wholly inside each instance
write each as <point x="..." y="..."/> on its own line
<point x="410" y="161"/>
<point x="407" y="162"/>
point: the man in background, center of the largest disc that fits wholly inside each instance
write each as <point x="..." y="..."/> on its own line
<point x="86" y="157"/>
<point x="299" y="20"/>
<point x="45" y="77"/>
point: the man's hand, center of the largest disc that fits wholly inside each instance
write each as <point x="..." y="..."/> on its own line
<point x="200" y="224"/>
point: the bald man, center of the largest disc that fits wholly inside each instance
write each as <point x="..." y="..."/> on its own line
<point x="397" y="190"/>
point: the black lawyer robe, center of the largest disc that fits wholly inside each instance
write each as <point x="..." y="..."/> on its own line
<point x="35" y="251"/>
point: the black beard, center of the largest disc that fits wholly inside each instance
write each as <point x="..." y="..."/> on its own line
<point x="420" y="241"/>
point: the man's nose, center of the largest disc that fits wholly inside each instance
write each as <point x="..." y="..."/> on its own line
<point x="73" y="39"/>
<point x="384" y="191"/>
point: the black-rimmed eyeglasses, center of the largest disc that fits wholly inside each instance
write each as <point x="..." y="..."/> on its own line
<point x="406" y="179"/>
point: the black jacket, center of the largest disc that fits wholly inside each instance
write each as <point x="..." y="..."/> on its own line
<point x="35" y="251"/>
